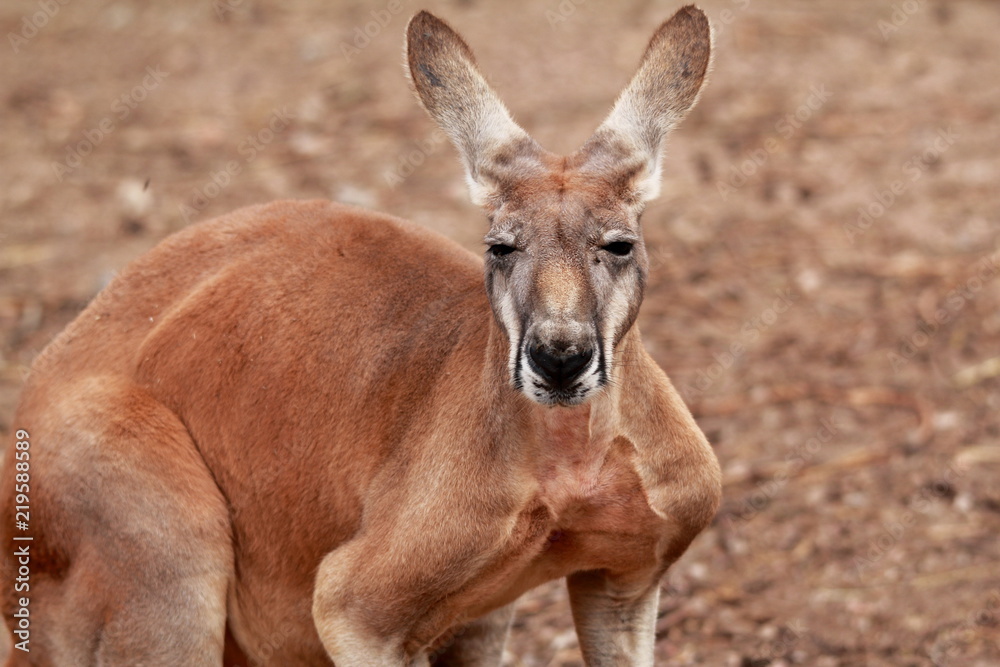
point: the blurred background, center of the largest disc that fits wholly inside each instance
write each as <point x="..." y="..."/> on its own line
<point x="825" y="280"/>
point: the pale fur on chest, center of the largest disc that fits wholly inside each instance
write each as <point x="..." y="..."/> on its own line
<point x="586" y="473"/>
<point x="569" y="460"/>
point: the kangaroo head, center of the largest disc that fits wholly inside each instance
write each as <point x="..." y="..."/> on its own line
<point x="566" y="264"/>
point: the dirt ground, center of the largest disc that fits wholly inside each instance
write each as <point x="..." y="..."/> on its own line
<point x="824" y="287"/>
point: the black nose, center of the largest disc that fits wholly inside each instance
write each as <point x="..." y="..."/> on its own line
<point x="558" y="368"/>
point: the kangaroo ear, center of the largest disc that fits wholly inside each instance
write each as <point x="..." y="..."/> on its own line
<point x="660" y="94"/>
<point x="493" y="148"/>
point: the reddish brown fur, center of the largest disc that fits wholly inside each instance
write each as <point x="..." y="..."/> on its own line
<point x="291" y="431"/>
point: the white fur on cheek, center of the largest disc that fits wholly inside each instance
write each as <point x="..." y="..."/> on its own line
<point x="510" y="323"/>
<point x="616" y="314"/>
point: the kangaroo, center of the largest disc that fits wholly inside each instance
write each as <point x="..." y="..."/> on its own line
<point x="309" y="434"/>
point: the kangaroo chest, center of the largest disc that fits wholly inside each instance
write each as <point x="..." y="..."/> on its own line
<point x="596" y="508"/>
<point x="584" y="509"/>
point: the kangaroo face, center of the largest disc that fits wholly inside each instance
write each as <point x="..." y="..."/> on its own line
<point x="565" y="272"/>
<point x="565" y="264"/>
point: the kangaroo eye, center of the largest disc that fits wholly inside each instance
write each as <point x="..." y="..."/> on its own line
<point x="620" y="248"/>
<point x="499" y="250"/>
